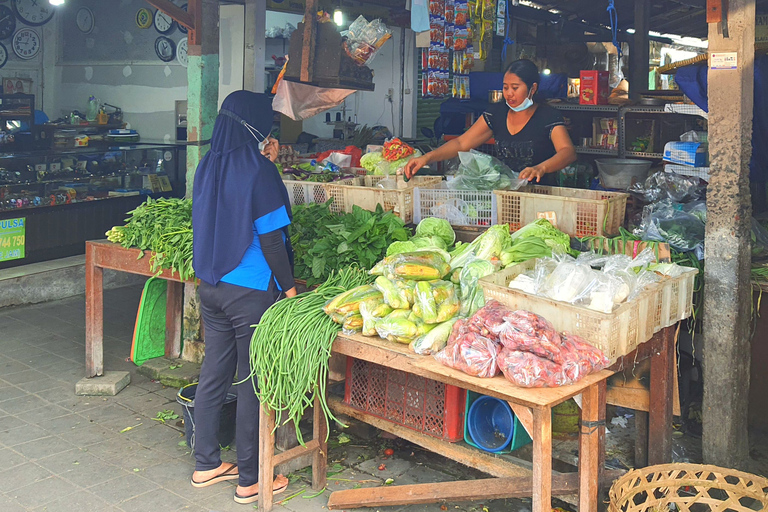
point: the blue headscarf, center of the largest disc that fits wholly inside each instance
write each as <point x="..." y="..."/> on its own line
<point x="234" y="185"/>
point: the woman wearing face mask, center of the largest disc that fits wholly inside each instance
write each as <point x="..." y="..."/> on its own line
<point x="530" y="137"/>
<point x="243" y="258"/>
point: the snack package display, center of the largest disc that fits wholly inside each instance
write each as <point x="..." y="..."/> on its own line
<point x="471" y="353"/>
<point x="436" y="29"/>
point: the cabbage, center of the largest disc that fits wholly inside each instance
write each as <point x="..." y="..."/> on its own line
<point x="369" y="160"/>
<point x="436" y="227"/>
<point x="423" y="242"/>
<point x="545" y="231"/>
<point x="400" y="247"/>
<point x="487" y="246"/>
<point x="382" y="167"/>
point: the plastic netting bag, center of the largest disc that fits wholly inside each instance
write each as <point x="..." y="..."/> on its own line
<point x="480" y="171"/>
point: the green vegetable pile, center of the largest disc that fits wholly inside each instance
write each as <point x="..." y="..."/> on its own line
<point x="163" y="226"/>
<point x="323" y="241"/>
<point x="375" y="163"/>
<point x="291" y="346"/>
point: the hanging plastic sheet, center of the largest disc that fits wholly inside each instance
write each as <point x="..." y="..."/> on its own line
<point x="302" y="101"/>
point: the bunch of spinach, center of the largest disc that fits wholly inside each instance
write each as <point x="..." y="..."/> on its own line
<point x="323" y="241"/>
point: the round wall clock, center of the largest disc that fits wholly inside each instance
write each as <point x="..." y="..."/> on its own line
<point x="182" y="28"/>
<point x="3" y="55"/>
<point x="165" y="48"/>
<point x="33" y="12"/>
<point x="7" y="22"/>
<point x="163" y="23"/>
<point x="26" y="43"/>
<point x="181" y="52"/>
<point x="85" y="20"/>
<point x="143" y="18"/>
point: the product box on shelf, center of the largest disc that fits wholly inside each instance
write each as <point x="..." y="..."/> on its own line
<point x="594" y="88"/>
<point x="695" y="154"/>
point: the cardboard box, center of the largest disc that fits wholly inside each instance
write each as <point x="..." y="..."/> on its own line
<point x="695" y="154"/>
<point x="594" y="89"/>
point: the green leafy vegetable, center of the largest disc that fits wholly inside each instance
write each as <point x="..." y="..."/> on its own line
<point x="436" y="227"/>
<point x="544" y="230"/>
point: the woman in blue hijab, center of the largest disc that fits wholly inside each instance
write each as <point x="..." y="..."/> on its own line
<point x="243" y="258"/>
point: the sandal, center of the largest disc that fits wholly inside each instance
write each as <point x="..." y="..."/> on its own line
<point x="227" y="474"/>
<point x="245" y="500"/>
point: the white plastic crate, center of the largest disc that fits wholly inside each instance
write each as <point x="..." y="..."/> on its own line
<point x="476" y="208"/>
<point x="687" y="170"/>
<point x="302" y="192"/>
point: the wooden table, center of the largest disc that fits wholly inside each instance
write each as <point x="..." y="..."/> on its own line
<point x="101" y="254"/>
<point x="533" y="407"/>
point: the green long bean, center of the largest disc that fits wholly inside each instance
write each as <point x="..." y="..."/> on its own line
<point x="291" y="346"/>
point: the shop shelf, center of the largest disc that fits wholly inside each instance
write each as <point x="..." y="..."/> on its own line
<point x="596" y="151"/>
<point x="685" y="170"/>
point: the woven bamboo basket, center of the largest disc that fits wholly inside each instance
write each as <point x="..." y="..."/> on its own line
<point x="688" y="488"/>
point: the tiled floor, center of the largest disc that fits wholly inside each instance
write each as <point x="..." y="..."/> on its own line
<point x="63" y="453"/>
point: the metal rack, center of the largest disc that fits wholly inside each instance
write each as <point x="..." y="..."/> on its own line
<point x="622" y="112"/>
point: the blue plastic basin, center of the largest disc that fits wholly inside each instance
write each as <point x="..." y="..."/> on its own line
<point x="491" y="423"/>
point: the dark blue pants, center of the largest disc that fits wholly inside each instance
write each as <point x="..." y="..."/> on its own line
<point x="229" y="311"/>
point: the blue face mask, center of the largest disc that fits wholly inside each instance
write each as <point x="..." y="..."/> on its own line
<point x="526" y="104"/>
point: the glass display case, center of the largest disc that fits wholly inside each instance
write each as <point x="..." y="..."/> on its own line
<point x="52" y="201"/>
<point x="37" y="179"/>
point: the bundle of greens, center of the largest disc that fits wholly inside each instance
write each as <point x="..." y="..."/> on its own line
<point x="323" y="241"/>
<point x="163" y="226"/>
<point x="291" y="346"/>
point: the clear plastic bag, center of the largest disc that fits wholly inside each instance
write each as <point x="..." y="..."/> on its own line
<point x="435" y="340"/>
<point x="480" y="171"/>
<point x="668" y="185"/>
<point x="759" y="237"/>
<point x="424" y="305"/>
<point x="531" y="371"/>
<point x="426" y="265"/>
<point x="472" y="298"/>
<point x="471" y="353"/>
<point x="666" y="222"/>
<point x="396" y="329"/>
<point x="569" y="282"/>
<point x="363" y="39"/>
<point x="488" y="319"/>
<point x="371" y="314"/>
<point x="527" y="331"/>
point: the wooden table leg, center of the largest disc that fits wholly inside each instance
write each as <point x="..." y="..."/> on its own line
<point x="591" y="443"/>
<point x="94" y="316"/>
<point x="320" y="457"/>
<point x="173" y="315"/>
<point x="662" y="386"/>
<point x="266" y="458"/>
<point x="641" y="439"/>
<point x="542" y="460"/>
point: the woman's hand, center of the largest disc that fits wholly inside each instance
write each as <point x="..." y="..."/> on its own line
<point x="413" y="166"/>
<point x="533" y="173"/>
<point x="272" y="149"/>
<point x="291" y="293"/>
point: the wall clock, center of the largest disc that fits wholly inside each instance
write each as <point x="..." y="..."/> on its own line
<point x="182" y="28"/>
<point x="85" y="20"/>
<point x="163" y="23"/>
<point x="3" y="55"/>
<point x="165" y="48"/>
<point x="181" y="52"/>
<point x="143" y="18"/>
<point x="26" y="43"/>
<point x="7" y="22"/>
<point x="33" y="12"/>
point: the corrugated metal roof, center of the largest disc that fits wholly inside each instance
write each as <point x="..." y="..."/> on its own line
<point x="680" y="17"/>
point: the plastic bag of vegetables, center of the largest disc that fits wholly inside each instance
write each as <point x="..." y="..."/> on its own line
<point x="424" y="265"/>
<point x="472" y="297"/>
<point x="479" y="171"/>
<point x="435" y="340"/>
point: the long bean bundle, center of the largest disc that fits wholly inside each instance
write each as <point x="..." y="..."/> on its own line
<point x="291" y="346"/>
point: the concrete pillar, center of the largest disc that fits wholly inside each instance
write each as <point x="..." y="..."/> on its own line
<point x="255" y="44"/>
<point x="202" y="109"/>
<point x="727" y="297"/>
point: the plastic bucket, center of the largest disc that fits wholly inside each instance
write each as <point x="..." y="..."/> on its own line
<point x="491" y="423"/>
<point x="565" y="418"/>
<point x="186" y="397"/>
<point x="622" y="173"/>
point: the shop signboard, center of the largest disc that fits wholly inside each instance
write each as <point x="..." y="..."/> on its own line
<point x="12" y="238"/>
<point x="761" y="29"/>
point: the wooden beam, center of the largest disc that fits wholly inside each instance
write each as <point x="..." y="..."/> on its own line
<point x="714" y="11"/>
<point x="542" y="460"/>
<point x="308" y="42"/>
<point x="472" y="457"/>
<point x="464" y="490"/>
<point x="640" y="54"/>
<point x="181" y="16"/>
